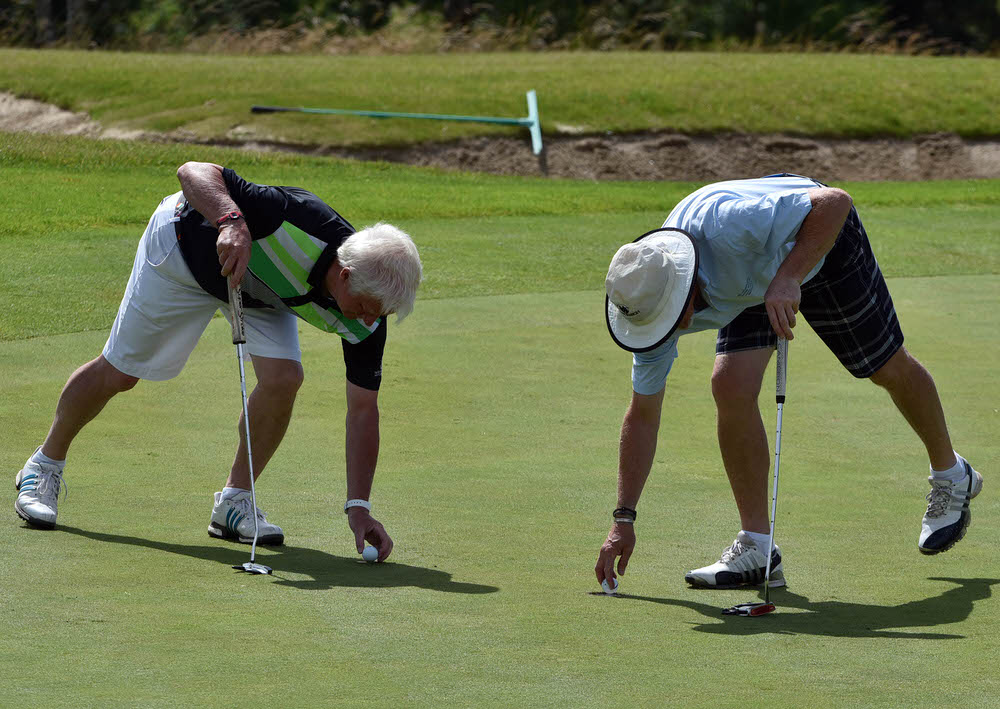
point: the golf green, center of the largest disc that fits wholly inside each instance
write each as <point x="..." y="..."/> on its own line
<point x="500" y="418"/>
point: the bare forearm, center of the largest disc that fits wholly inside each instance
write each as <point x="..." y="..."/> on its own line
<point x="637" y="447"/>
<point x="362" y="451"/>
<point x="817" y="233"/>
<point x="205" y="189"/>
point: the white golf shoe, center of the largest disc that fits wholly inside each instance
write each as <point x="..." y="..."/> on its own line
<point x="233" y="519"/>
<point x="948" y="516"/>
<point x="38" y="486"/>
<point x="742" y="564"/>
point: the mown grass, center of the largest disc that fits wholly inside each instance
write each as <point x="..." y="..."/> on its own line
<point x="500" y="419"/>
<point x="500" y="414"/>
<point x="808" y="94"/>
<point x="86" y="202"/>
<point x="121" y="177"/>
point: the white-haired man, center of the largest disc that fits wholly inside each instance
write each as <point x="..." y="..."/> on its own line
<point x="295" y="258"/>
<point x="742" y="257"/>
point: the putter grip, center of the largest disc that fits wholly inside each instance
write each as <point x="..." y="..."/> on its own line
<point x="782" y="369"/>
<point x="236" y="303"/>
<point x="269" y="109"/>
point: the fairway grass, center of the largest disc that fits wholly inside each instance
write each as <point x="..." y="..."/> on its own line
<point x="469" y="256"/>
<point x="500" y="418"/>
<point x="477" y="234"/>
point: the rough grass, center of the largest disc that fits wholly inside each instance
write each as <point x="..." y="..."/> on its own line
<point x="806" y="94"/>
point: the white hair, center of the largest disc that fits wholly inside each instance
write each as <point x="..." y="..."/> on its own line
<point x="384" y="265"/>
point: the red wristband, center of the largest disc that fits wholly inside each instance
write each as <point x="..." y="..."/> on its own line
<point x="228" y="216"/>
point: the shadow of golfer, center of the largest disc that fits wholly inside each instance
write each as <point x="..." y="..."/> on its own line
<point x="324" y="570"/>
<point x="841" y="618"/>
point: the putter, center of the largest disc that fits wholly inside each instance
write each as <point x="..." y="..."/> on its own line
<point x="755" y="609"/>
<point x="239" y="339"/>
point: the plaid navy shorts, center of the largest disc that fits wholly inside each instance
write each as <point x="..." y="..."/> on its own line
<point x="847" y="304"/>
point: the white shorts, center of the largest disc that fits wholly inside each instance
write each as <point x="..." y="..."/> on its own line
<point x="164" y="311"/>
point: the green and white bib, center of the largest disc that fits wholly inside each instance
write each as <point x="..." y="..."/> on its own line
<point x="279" y="275"/>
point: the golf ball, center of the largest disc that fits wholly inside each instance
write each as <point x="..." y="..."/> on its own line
<point x="369" y="554"/>
<point x="608" y="589"/>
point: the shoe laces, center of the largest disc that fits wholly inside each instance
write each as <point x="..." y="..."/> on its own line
<point x="50" y="484"/>
<point x="245" y="506"/>
<point x="938" y="498"/>
<point x="737" y="549"/>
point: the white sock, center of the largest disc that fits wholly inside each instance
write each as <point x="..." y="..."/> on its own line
<point x="954" y="473"/>
<point x="40" y="457"/>
<point x="229" y="492"/>
<point x="759" y="539"/>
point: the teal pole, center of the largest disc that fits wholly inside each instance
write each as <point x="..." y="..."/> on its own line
<point x="532" y="122"/>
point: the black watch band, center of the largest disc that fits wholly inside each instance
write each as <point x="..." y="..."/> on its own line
<point x="625" y="514"/>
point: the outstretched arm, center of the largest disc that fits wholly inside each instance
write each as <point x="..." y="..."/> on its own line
<point x="205" y="189"/>
<point x="815" y="238"/>
<point x="635" y="458"/>
<point x="362" y="457"/>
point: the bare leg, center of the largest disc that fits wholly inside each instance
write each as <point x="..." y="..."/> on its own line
<point x="270" y="406"/>
<point x="86" y="392"/>
<point x="736" y="382"/>
<point x="912" y="390"/>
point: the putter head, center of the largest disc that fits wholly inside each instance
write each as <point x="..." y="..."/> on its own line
<point x="253" y="568"/>
<point x="750" y="609"/>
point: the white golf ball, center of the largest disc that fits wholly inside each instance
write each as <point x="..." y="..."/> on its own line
<point x="369" y="554"/>
<point x="608" y="589"/>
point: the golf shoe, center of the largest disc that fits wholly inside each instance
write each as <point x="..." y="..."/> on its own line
<point x="233" y="519"/>
<point x="948" y="516"/>
<point x="742" y="564"/>
<point x="38" y="486"/>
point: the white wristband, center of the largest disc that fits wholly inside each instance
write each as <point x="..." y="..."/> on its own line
<point x="357" y="503"/>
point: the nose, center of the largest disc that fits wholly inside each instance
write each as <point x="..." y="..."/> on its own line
<point x="369" y="319"/>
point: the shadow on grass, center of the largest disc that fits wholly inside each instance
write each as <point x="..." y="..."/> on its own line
<point x="324" y="570"/>
<point x="841" y="618"/>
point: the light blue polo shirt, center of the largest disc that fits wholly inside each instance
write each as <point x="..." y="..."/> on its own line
<point x="743" y="230"/>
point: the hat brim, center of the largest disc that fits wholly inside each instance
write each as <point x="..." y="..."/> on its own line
<point x="652" y="334"/>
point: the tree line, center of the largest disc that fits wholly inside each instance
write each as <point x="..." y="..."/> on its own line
<point x="915" y="26"/>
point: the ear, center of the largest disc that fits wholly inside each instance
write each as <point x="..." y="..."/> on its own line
<point x="336" y="279"/>
<point x="345" y="281"/>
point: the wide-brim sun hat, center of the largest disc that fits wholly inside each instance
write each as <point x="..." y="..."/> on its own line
<point x="649" y="285"/>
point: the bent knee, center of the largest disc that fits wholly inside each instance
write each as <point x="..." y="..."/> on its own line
<point x="896" y="369"/>
<point x="736" y="377"/>
<point x="733" y="388"/>
<point x="114" y="378"/>
<point x="285" y="379"/>
<point x="125" y="382"/>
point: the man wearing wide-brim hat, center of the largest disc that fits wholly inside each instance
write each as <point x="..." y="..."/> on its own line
<point x="744" y="257"/>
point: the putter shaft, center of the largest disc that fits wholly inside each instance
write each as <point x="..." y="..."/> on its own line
<point x="781" y="379"/>
<point x="239" y="339"/>
<point x="246" y="426"/>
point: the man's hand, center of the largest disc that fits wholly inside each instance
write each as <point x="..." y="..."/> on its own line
<point x="620" y="542"/>
<point x="233" y="247"/>
<point x="782" y="302"/>
<point x="367" y="528"/>
<point x="205" y="189"/>
<point x="814" y="239"/>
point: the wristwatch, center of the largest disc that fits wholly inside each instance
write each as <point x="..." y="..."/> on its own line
<point x="357" y="503"/>
<point x="233" y="216"/>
